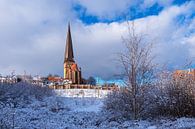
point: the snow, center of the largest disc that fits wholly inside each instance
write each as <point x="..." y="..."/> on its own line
<point x="62" y="112"/>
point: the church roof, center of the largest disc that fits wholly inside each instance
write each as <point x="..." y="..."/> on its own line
<point x="69" y="56"/>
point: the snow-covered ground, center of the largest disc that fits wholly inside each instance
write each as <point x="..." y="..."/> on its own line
<point x="58" y="112"/>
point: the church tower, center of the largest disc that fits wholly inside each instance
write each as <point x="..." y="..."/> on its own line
<point x="71" y="70"/>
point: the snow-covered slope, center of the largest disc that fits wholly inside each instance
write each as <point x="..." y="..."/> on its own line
<point x="57" y="112"/>
<point x="52" y="113"/>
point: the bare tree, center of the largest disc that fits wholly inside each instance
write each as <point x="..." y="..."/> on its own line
<point x="137" y="63"/>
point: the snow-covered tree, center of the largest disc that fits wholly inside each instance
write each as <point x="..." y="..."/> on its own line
<point x="138" y="67"/>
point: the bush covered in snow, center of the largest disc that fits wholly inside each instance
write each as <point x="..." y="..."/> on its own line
<point x="21" y="93"/>
<point x="171" y="98"/>
<point x="177" y="98"/>
<point x="120" y="103"/>
<point x="3" y="125"/>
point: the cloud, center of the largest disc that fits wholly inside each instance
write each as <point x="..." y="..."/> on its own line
<point x="171" y="29"/>
<point x="32" y="36"/>
<point x="101" y="41"/>
<point x="96" y="47"/>
<point x="30" y="33"/>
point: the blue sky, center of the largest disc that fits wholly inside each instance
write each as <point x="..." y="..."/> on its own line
<point x="33" y="33"/>
<point x="132" y="12"/>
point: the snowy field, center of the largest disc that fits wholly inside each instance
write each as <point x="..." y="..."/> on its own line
<point x="59" y="112"/>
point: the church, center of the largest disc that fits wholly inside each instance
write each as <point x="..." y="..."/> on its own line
<point x="72" y="72"/>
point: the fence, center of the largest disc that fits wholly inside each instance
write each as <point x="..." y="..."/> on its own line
<point x="96" y="93"/>
<point x="81" y="86"/>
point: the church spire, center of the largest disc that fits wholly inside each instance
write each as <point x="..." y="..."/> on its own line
<point x="69" y="48"/>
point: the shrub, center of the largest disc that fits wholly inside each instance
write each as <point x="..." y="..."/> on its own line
<point x="3" y="125"/>
<point x="22" y="93"/>
<point x="120" y="103"/>
<point x="173" y="97"/>
<point x="179" y="99"/>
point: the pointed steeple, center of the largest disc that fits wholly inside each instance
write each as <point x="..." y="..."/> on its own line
<point x="69" y="56"/>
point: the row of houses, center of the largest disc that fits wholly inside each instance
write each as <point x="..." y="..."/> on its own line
<point x="11" y="79"/>
<point x="37" y="80"/>
<point x="54" y="82"/>
<point x="8" y="79"/>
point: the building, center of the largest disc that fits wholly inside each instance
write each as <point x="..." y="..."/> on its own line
<point x="8" y="79"/>
<point x="72" y="72"/>
<point x="182" y="74"/>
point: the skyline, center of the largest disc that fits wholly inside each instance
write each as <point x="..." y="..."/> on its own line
<point x="33" y="33"/>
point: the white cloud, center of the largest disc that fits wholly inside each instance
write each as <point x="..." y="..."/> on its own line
<point x="32" y="37"/>
<point x="170" y="34"/>
<point x="30" y="34"/>
<point x="101" y="41"/>
<point x="191" y="42"/>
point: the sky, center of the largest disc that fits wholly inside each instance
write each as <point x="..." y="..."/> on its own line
<point x="33" y="33"/>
